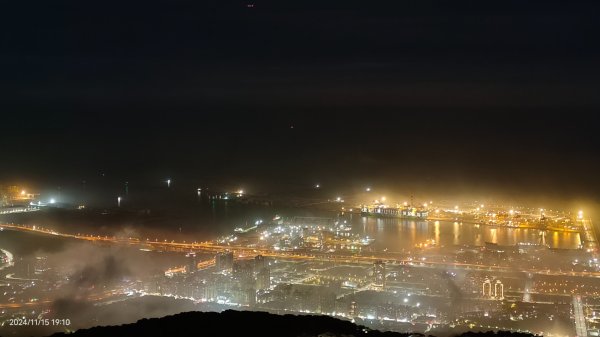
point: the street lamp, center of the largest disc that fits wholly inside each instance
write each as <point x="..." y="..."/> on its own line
<point x="118" y="201"/>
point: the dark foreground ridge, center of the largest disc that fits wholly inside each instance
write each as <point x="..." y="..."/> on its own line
<point x="246" y="323"/>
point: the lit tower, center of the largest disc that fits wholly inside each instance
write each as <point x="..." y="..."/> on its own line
<point x="353" y="312"/>
<point x="487" y="288"/>
<point x="379" y="274"/>
<point x="499" y="290"/>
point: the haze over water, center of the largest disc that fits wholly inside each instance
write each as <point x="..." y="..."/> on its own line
<point x="179" y="214"/>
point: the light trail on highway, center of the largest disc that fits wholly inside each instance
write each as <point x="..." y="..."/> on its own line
<point x="388" y="257"/>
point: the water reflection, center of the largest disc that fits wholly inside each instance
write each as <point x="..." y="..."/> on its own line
<point x="398" y="234"/>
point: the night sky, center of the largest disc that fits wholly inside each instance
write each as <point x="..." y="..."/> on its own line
<point x="423" y="95"/>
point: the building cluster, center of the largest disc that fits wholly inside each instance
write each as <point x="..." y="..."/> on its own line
<point x="14" y="195"/>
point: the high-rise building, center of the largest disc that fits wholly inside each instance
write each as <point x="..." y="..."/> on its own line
<point x="379" y="274"/>
<point x="495" y="292"/>
<point x="192" y="263"/>
<point x="263" y="279"/>
<point x="353" y="312"/>
<point x="224" y="261"/>
<point x="486" y="290"/>
<point x="499" y="290"/>
<point x="259" y="263"/>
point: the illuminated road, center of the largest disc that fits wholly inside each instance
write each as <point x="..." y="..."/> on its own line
<point x="241" y="251"/>
<point x="589" y="236"/>
<point x="580" y="325"/>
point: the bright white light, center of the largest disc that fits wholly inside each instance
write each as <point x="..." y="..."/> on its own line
<point x="405" y="300"/>
<point x="52" y="201"/>
<point x="368" y="189"/>
<point x="580" y="214"/>
<point x="23" y="192"/>
<point x="456" y="207"/>
<point x="382" y="198"/>
<point x="241" y="191"/>
<point x="338" y="199"/>
<point x="425" y="205"/>
<point x="511" y="212"/>
<point x="168" y="182"/>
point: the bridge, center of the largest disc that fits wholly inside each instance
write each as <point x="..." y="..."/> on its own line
<point x="392" y="258"/>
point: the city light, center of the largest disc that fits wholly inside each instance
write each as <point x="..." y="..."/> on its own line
<point x="317" y="186"/>
<point x="52" y="200"/>
<point x="168" y="182"/>
<point x="382" y="198"/>
<point x="368" y="189"/>
<point x="23" y="192"/>
<point x="580" y="214"/>
<point x="315" y="246"/>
